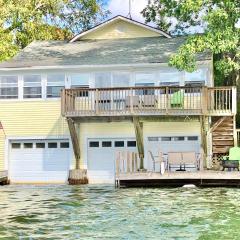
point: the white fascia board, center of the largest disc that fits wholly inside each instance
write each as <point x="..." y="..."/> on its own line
<point x="97" y="67"/>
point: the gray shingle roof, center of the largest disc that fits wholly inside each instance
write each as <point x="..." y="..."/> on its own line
<point x="98" y="52"/>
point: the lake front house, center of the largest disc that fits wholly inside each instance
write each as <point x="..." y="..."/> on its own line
<point x="106" y="95"/>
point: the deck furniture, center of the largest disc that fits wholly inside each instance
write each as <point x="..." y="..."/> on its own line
<point x="174" y="158"/>
<point x="190" y="158"/>
<point x="182" y="159"/>
<point x="177" y="99"/>
<point x="232" y="160"/>
<point x="133" y="101"/>
<point x="156" y="159"/>
<point x="149" y="101"/>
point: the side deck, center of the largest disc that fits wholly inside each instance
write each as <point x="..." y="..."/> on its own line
<point x="205" y="178"/>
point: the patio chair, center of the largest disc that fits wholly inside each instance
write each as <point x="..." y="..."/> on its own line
<point x="149" y="101"/>
<point x="156" y="159"/>
<point x="190" y="158"/>
<point x="174" y="158"/>
<point x="232" y="160"/>
<point x="135" y="101"/>
<point x="177" y="99"/>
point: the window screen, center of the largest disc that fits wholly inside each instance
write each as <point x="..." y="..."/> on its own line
<point x="32" y="86"/>
<point x="55" y="83"/>
<point x="8" y="87"/>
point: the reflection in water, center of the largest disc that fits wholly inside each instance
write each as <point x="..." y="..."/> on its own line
<point x="103" y="212"/>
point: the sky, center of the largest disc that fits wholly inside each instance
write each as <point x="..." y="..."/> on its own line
<point x="121" y="7"/>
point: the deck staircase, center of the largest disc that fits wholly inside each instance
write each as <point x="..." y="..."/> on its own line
<point x="222" y="135"/>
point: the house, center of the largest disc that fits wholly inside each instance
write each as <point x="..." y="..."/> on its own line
<point x="67" y="105"/>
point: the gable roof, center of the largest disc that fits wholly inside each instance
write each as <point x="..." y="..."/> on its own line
<point x="98" y="53"/>
<point x="116" y="18"/>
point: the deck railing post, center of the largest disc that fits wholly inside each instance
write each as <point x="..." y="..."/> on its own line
<point x="97" y="101"/>
<point x="167" y="99"/>
<point x="234" y="100"/>
<point x="204" y="93"/>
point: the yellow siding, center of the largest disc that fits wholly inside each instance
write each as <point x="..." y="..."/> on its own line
<point x="30" y="118"/>
<point x="120" y="29"/>
<point x="2" y="145"/>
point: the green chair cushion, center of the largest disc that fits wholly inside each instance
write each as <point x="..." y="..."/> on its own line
<point x="234" y="153"/>
<point x="177" y="98"/>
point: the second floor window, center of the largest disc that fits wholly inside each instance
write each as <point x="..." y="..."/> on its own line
<point x="55" y="83"/>
<point x="32" y="86"/>
<point x="8" y="87"/>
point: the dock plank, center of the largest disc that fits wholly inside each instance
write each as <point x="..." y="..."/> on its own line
<point x="178" y="179"/>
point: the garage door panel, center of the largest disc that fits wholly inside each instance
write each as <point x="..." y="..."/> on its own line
<point x="39" y="163"/>
<point x="101" y="160"/>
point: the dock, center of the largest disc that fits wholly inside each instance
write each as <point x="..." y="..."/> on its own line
<point x="3" y="178"/>
<point x="206" y="178"/>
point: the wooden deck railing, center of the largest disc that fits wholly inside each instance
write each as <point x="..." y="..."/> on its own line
<point x="126" y="162"/>
<point x="142" y="101"/>
<point x="238" y="137"/>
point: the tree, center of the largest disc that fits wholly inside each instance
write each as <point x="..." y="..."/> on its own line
<point x="23" y="21"/>
<point x="218" y="22"/>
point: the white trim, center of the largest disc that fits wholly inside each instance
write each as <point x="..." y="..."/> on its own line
<point x="116" y="19"/>
<point x="90" y="67"/>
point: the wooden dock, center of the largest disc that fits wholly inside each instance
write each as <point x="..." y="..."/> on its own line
<point x="205" y="178"/>
<point x="3" y="178"/>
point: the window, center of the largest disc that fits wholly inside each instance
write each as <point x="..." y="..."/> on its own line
<point x="8" y="87"/>
<point x="192" y="138"/>
<point x="120" y="79"/>
<point x="16" y="145"/>
<point x="40" y="145"/>
<point x="199" y="75"/>
<point x="195" y="86"/>
<point x="27" y="145"/>
<point x="52" y="145"/>
<point x="106" y="144"/>
<point x="170" y="79"/>
<point x="55" y="83"/>
<point x="153" y="139"/>
<point x="64" y="145"/>
<point x="103" y="80"/>
<point x="178" y="138"/>
<point x="94" y="144"/>
<point x="144" y="91"/>
<point x="32" y="86"/>
<point x="166" y="139"/>
<point x="81" y="81"/>
<point x="131" y="143"/>
<point x="119" y="143"/>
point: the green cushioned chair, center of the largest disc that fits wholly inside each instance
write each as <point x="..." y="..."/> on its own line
<point x="177" y="99"/>
<point x="234" y="154"/>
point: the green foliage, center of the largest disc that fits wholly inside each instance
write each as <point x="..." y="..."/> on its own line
<point x="23" y="21"/>
<point x="219" y="21"/>
<point x="221" y="36"/>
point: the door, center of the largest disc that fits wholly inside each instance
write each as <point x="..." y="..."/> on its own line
<point x="43" y="161"/>
<point x="101" y="157"/>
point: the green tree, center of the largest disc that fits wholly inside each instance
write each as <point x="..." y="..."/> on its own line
<point x="23" y="21"/>
<point x="219" y="24"/>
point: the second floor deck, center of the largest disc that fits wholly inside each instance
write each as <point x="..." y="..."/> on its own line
<point x="149" y="101"/>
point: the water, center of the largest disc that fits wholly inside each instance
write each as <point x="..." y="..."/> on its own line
<point x="103" y="212"/>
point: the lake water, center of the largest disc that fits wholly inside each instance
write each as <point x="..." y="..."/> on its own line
<point x="103" y="212"/>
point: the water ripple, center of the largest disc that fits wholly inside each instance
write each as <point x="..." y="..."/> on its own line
<point x="103" y="212"/>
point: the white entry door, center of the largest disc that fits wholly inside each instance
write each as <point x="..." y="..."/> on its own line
<point x="39" y="161"/>
<point x="101" y="158"/>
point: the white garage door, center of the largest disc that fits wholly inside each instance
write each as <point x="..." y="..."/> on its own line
<point x="43" y="161"/>
<point x="102" y="155"/>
